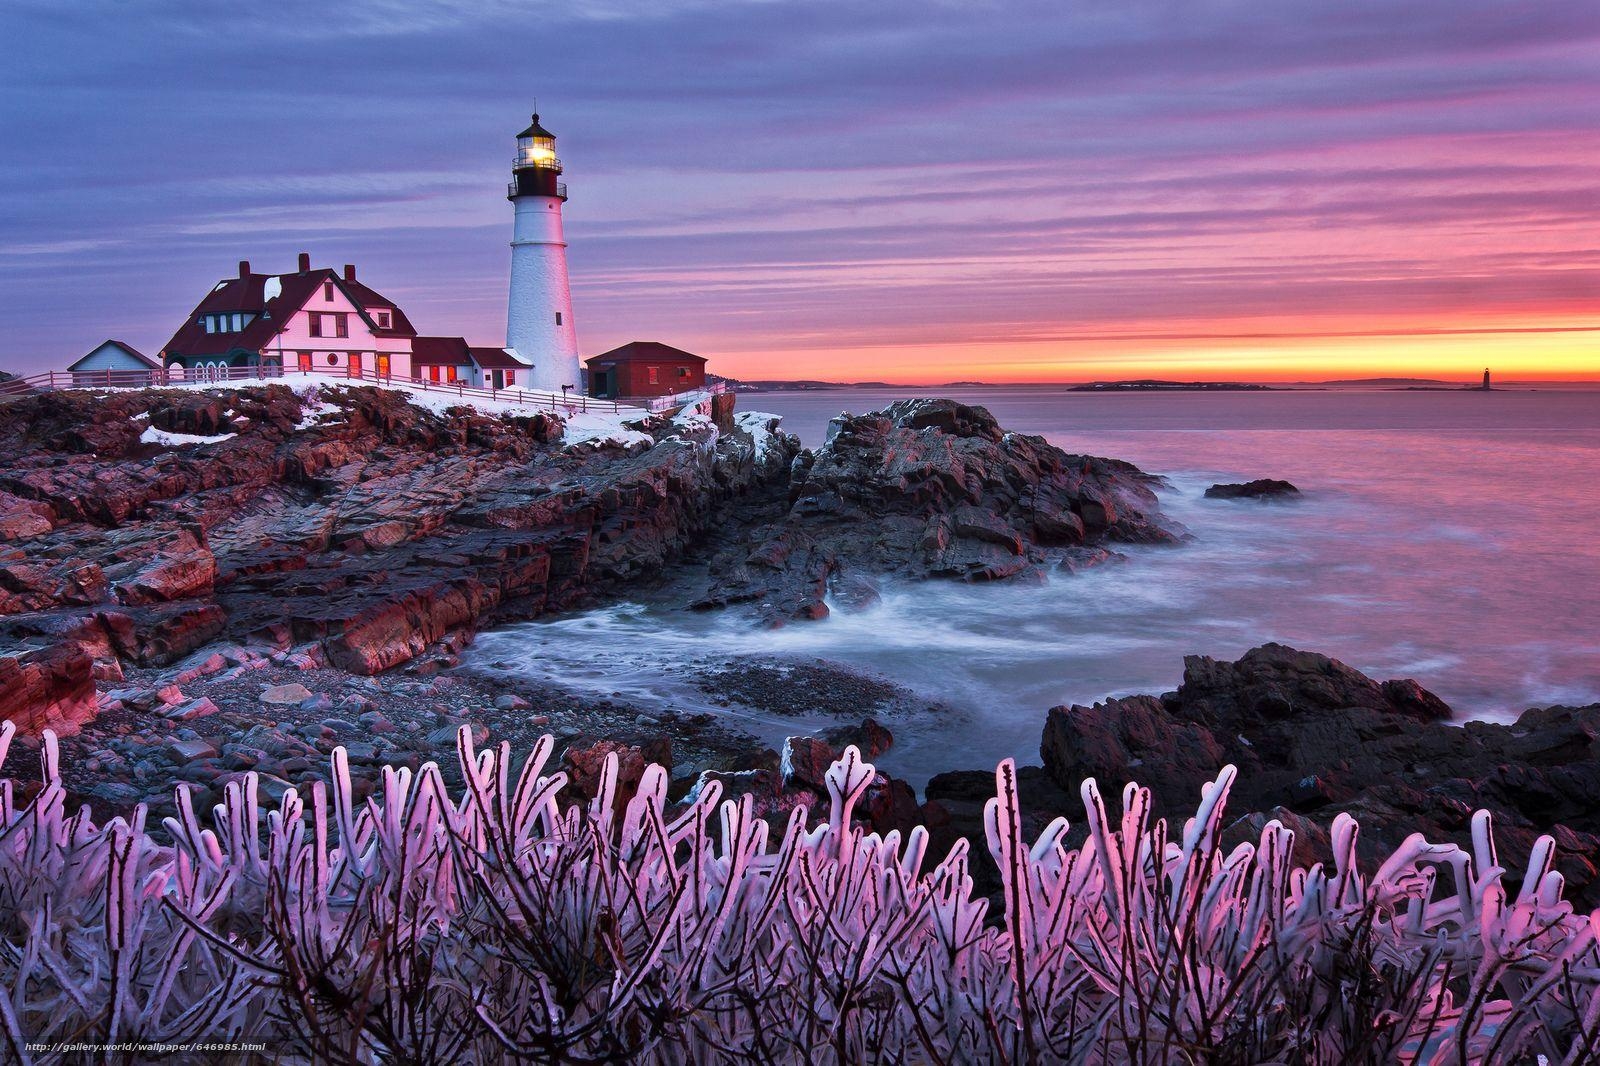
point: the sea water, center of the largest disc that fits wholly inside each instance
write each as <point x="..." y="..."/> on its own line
<point x="1449" y="537"/>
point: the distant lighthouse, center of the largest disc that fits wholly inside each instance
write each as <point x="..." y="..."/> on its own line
<point x="539" y="315"/>
<point x="1486" y="384"/>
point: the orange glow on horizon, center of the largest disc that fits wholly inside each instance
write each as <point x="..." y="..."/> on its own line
<point x="1512" y="352"/>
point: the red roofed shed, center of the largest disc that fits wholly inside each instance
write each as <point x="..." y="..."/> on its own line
<point x="645" y="368"/>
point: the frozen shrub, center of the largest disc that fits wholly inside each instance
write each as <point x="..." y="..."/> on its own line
<point x="497" y="925"/>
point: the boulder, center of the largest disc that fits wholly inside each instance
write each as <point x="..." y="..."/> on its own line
<point x="1259" y="489"/>
<point x="290" y="695"/>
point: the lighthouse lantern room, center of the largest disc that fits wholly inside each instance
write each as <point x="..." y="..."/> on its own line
<point x="539" y="325"/>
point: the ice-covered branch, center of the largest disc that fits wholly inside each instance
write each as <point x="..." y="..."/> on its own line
<point x="500" y="925"/>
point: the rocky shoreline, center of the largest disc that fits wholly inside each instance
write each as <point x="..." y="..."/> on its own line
<point x="199" y="584"/>
<point x="271" y="574"/>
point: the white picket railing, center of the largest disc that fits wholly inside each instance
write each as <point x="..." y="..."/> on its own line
<point x="138" y="379"/>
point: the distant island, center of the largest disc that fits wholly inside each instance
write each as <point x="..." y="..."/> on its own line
<point x="1153" y="385"/>
<point x="1140" y="385"/>
<point x="1395" y="384"/>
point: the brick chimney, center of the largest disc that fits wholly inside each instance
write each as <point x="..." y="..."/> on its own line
<point x="349" y="272"/>
<point x="305" y="262"/>
<point x="244" y="268"/>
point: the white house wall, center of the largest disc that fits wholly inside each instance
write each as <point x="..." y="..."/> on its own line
<point x="297" y="338"/>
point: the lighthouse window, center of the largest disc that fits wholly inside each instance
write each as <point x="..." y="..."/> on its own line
<point x="558" y="318"/>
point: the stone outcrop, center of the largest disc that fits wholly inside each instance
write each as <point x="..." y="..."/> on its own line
<point x="931" y="489"/>
<point x="1264" y="488"/>
<point x="347" y="517"/>
<point x="1313" y="737"/>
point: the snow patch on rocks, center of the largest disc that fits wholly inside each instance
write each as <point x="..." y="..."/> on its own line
<point x="152" y="435"/>
<point x="762" y="427"/>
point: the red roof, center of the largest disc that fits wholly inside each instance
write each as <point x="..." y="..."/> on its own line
<point x="399" y="324"/>
<point x="249" y="294"/>
<point x="497" y="359"/>
<point x="645" y="352"/>
<point x="440" y="351"/>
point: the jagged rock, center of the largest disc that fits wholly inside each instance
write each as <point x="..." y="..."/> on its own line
<point x="584" y="765"/>
<point x="930" y="488"/>
<point x="871" y="738"/>
<point x="48" y="688"/>
<point x="1310" y="734"/>
<point x="183" y="751"/>
<point x="805" y="762"/>
<point x="191" y="710"/>
<point x="1259" y="489"/>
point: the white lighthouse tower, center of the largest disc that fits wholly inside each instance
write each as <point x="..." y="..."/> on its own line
<point x="539" y="316"/>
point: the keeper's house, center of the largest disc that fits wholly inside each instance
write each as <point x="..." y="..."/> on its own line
<point x="326" y="321"/>
<point x="644" y="369"/>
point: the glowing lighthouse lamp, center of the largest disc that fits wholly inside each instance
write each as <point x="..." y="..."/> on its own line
<point x="539" y="314"/>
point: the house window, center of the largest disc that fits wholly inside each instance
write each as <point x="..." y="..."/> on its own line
<point x="327" y="291"/>
<point x="383" y="320"/>
<point x="208" y="323"/>
<point x="653" y="379"/>
<point x="683" y="371"/>
<point x="238" y="321"/>
<point x="341" y="325"/>
<point x="450" y="373"/>
<point x="511" y="377"/>
<point x="333" y="357"/>
<point x="316" y="323"/>
<point x="305" y="360"/>
<point x="558" y="318"/>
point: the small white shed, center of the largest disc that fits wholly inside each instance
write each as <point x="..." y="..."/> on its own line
<point x="115" y="364"/>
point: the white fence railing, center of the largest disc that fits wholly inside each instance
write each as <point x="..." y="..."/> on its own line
<point x="142" y="379"/>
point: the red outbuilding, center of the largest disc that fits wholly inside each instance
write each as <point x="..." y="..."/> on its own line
<point x="644" y="369"/>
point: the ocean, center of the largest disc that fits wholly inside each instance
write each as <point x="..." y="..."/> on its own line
<point x="1449" y="537"/>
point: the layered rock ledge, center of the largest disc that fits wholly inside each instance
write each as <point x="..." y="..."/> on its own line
<point x="137" y="527"/>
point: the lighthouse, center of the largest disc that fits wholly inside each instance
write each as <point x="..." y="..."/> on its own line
<point x="539" y="315"/>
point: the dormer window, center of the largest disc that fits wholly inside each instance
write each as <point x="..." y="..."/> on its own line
<point x="383" y="319"/>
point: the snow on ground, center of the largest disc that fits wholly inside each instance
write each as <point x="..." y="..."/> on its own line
<point x="762" y="428"/>
<point x="314" y="410"/>
<point x="598" y="429"/>
<point x="152" y="435"/>
<point x="592" y="427"/>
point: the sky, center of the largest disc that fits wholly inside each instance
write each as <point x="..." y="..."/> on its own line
<point x="904" y="191"/>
